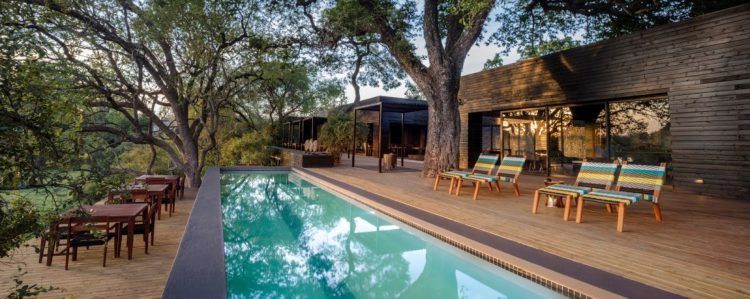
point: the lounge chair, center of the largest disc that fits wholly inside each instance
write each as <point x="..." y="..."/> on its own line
<point x="592" y="174"/>
<point x="485" y="163"/>
<point x="635" y="183"/>
<point x="509" y="171"/>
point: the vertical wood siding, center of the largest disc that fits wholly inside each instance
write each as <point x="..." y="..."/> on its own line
<point x="703" y="65"/>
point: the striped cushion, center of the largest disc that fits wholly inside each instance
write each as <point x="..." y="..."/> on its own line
<point x="564" y="190"/>
<point x="607" y="196"/>
<point x="641" y="177"/>
<point x="650" y="197"/>
<point x="593" y="173"/>
<point x="511" y="166"/>
<point x="481" y="177"/>
<point x="485" y="163"/>
<point x="455" y="174"/>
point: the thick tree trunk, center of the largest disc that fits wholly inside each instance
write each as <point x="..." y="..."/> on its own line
<point x="441" y="152"/>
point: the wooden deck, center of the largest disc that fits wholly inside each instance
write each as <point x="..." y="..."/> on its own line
<point x="702" y="249"/>
<point x="142" y="277"/>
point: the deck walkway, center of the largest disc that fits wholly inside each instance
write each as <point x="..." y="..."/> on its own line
<point x="142" y="277"/>
<point x="702" y="249"/>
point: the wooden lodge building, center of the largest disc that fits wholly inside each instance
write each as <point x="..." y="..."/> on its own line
<point x="677" y="93"/>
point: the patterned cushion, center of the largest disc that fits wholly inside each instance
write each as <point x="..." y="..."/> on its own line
<point x="511" y="166"/>
<point x="485" y="163"/>
<point x="564" y="190"/>
<point x="455" y="174"/>
<point x="607" y="196"/>
<point x="481" y="177"/>
<point x="641" y="177"/>
<point x="593" y="173"/>
<point x="649" y="197"/>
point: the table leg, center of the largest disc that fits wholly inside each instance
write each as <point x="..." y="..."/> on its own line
<point x="146" y="226"/>
<point x="158" y="206"/>
<point x="131" y="224"/>
<point x="51" y="244"/>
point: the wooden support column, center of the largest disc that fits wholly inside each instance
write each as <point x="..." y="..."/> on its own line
<point x="380" y="139"/>
<point x="403" y="140"/>
<point x="354" y="137"/>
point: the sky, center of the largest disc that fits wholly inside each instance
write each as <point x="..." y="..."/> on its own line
<point x="475" y="60"/>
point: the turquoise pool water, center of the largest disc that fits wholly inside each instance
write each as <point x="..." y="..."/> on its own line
<point x="287" y="238"/>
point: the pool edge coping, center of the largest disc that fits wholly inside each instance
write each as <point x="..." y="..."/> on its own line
<point x="199" y="270"/>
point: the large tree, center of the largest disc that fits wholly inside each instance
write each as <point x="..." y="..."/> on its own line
<point x="165" y="67"/>
<point x="449" y="28"/>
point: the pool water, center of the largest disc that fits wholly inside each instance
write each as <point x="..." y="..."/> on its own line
<point x="287" y="238"/>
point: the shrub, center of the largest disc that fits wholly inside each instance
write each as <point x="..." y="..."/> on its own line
<point x="336" y="134"/>
<point x="250" y="149"/>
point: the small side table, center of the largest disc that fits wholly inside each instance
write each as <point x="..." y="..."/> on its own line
<point x="552" y="201"/>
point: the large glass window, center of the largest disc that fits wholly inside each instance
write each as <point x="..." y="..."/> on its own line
<point x="634" y="131"/>
<point x="640" y="131"/>
<point x="577" y="133"/>
<point x="525" y="134"/>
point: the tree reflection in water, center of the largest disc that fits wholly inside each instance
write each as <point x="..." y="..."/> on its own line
<point x="288" y="238"/>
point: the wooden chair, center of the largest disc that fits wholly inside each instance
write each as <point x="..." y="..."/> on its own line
<point x="141" y="228"/>
<point x="592" y="174"/>
<point x="84" y="235"/>
<point x="53" y="238"/>
<point x="485" y="163"/>
<point x="171" y="199"/>
<point x="635" y="183"/>
<point x="181" y="186"/>
<point x="508" y="172"/>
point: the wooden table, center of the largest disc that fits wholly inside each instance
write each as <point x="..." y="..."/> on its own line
<point x="115" y="213"/>
<point x="160" y="190"/>
<point x="172" y="179"/>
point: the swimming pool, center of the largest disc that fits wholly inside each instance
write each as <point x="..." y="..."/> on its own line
<point x="286" y="237"/>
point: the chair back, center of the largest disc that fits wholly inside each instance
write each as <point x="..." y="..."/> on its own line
<point x="597" y="175"/>
<point x="511" y="167"/>
<point x="644" y="179"/>
<point x="485" y="163"/>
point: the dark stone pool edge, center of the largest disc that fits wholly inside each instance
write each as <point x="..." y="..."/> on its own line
<point x="602" y="279"/>
<point x="198" y="270"/>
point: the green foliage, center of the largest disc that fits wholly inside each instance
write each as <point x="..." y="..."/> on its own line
<point x="138" y="157"/>
<point x="250" y="149"/>
<point x="336" y="134"/>
<point x="23" y="290"/>
<point x="549" y="47"/>
<point x="18" y="222"/>
<point x="539" y="27"/>
<point x="493" y="62"/>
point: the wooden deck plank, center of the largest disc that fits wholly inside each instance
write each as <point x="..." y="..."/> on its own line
<point x="700" y="250"/>
<point x="142" y="277"/>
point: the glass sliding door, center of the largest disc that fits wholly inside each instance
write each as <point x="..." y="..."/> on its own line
<point x="555" y="140"/>
<point x="525" y="134"/>
<point x="577" y="133"/>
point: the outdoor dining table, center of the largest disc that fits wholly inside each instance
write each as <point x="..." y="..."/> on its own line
<point x="159" y="190"/>
<point x="115" y="213"/>
<point x="173" y="180"/>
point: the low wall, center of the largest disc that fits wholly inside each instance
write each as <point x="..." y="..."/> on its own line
<point x="302" y="159"/>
